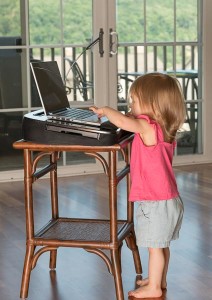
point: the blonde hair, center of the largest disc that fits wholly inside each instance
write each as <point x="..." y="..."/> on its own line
<point x="161" y="98"/>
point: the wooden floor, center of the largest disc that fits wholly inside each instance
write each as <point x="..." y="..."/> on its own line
<point x="83" y="276"/>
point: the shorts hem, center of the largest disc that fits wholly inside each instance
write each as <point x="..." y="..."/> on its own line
<point x="152" y="244"/>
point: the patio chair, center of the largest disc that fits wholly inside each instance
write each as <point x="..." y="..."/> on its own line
<point x="79" y="81"/>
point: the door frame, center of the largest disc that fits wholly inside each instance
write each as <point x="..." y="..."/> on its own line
<point x="105" y="68"/>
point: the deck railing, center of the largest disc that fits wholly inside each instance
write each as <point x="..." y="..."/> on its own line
<point x="132" y="57"/>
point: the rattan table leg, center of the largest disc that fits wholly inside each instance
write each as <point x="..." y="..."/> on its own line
<point x="54" y="203"/>
<point x="27" y="271"/>
<point x="131" y="241"/>
<point x="53" y="259"/>
<point x="117" y="274"/>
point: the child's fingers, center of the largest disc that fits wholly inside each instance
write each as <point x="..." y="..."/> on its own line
<point x="94" y="109"/>
<point x="97" y="111"/>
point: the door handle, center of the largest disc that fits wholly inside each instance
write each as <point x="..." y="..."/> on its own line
<point x="101" y="48"/>
<point x="113" y="42"/>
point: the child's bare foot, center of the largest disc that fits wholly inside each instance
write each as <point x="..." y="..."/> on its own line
<point x="146" y="292"/>
<point x="142" y="282"/>
<point x="145" y="281"/>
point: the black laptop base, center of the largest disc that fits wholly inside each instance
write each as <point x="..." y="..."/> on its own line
<point x="35" y="128"/>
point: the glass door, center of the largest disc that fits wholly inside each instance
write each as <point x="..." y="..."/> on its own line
<point x="64" y="31"/>
<point x="164" y="36"/>
<point x="67" y="31"/>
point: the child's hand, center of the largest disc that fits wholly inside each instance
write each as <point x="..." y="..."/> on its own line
<point x="98" y="111"/>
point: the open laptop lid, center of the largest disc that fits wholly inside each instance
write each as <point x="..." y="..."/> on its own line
<point x="53" y="96"/>
<point x="50" y="86"/>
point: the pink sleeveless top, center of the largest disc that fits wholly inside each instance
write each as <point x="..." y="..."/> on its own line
<point x="152" y="176"/>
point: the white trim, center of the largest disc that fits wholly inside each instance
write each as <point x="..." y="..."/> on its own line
<point x="62" y="171"/>
<point x="192" y="159"/>
<point x="77" y="170"/>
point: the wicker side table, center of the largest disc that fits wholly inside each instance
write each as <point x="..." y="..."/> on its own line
<point x="93" y="235"/>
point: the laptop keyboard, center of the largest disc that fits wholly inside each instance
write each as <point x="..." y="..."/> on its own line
<point x="75" y="113"/>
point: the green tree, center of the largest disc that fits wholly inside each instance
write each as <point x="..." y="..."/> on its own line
<point x="45" y="26"/>
<point x="10" y="18"/>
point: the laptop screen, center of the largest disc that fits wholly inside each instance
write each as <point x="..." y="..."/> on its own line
<point x="50" y="86"/>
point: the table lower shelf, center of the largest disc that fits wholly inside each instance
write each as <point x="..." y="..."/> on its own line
<point x="64" y="231"/>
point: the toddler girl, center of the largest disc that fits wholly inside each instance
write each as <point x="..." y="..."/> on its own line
<point x="157" y="112"/>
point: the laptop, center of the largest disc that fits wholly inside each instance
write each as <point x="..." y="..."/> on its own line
<point x="60" y="116"/>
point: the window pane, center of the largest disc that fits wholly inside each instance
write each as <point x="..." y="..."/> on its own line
<point x="44" y="21"/>
<point x="10" y="131"/>
<point x="10" y="10"/>
<point x="186" y="18"/>
<point x="187" y="139"/>
<point x="130" y="28"/>
<point x="159" y="20"/>
<point x="10" y="79"/>
<point x="77" y="21"/>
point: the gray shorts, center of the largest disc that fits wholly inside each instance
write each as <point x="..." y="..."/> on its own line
<point x="158" y="222"/>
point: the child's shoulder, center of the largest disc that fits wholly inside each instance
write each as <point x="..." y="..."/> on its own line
<point x="148" y="119"/>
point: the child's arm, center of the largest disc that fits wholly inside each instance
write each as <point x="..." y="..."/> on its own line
<point x="122" y="121"/>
